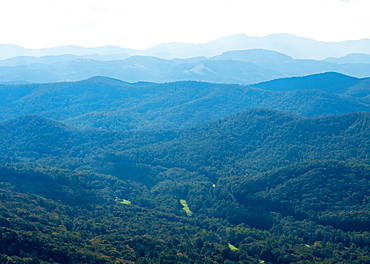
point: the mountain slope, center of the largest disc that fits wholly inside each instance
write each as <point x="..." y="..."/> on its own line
<point x="260" y="140"/>
<point x="360" y="89"/>
<point x="255" y="140"/>
<point x="311" y="190"/>
<point x="49" y="141"/>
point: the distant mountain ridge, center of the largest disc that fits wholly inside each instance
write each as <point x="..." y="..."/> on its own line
<point x="9" y="51"/>
<point x="294" y="46"/>
<point x="351" y="58"/>
<point x="235" y="67"/>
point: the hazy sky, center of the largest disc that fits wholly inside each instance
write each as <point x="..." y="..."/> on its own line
<point x="146" y="23"/>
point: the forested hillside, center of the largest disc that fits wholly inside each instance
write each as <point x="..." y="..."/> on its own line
<point x="111" y="104"/>
<point x="255" y="140"/>
<point x="259" y="140"/>
<point x="106" y="171"/>
<point x="259" y="186"/>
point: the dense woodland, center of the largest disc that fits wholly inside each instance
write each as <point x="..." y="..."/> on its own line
<point x="257" y="186"/>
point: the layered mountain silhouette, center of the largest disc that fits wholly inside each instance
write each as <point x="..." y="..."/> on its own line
<point x="234" y="59"/>
<point x="294" y="46"/>
<point x="107" y="103"/>
<point x="236" y="67"/>
<point x="241" y="150"/>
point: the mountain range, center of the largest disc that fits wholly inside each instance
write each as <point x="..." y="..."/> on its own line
<point x="106" y="103"/>
<point x="294" y="46"/>
<point x="228" y="153"/>
<point x="238" y="59"/>
<point x="235" y="67"/>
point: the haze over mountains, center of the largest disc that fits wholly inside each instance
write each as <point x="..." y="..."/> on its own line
<point x="235" y="59"/>
<point x="296" y="47"/>
<point x="236" y="67"/>
<point x="234" y="156"/>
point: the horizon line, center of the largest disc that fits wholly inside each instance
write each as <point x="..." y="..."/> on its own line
<point x="176" y="42"/>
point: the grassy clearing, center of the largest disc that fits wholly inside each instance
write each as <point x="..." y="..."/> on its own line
<point x="186" y="208"/>
<point x="122" y="201"/>
<point x="232" y="247"/>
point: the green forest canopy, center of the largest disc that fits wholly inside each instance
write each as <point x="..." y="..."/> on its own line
<point x="278" y="187"/>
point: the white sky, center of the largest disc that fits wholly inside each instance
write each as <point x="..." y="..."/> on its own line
<point x="142" y="24"/>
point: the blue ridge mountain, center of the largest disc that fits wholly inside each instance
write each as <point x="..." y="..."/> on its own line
<point x="294" y="46"/>
<point x="239" y="67"/>
<point x="107" y="103"/>
<point x="330" y="82"/>
<point x="351" y="58"/>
